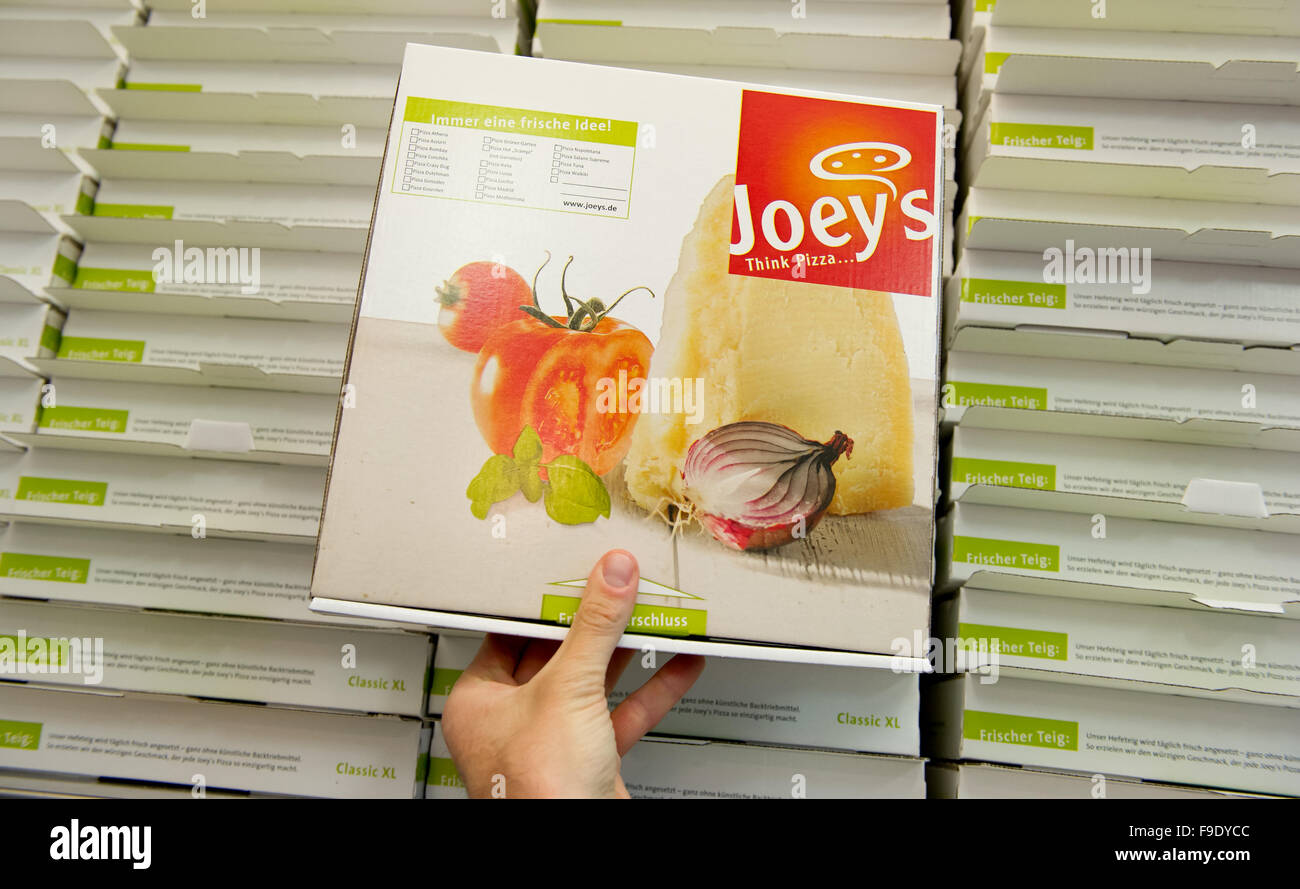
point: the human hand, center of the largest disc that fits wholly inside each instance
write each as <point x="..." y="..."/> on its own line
<point x="534" y="714"/>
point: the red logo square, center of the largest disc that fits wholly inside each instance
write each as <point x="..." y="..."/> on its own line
<point x="836" y="192"/>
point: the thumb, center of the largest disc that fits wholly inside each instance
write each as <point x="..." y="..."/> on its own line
<point x="602" y="617"/>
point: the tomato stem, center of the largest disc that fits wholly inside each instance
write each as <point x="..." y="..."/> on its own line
<point x="580" y="314"/>
<point x="568" y="303"/>
<point x="535" y="310"/>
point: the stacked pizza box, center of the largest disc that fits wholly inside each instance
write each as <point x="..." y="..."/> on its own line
<point x="165" y="451"/>
<point x="1119" y="565"/>
<point x="51" y="61"/>
<point x="747" y="729"/>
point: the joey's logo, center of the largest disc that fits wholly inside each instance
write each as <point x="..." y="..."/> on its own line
<point x="836" y="192"/>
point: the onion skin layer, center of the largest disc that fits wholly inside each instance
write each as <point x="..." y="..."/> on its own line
<point x="797" y="473"/>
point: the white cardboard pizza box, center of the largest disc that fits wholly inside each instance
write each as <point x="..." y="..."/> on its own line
<point x="804" y="705"/>
<point x="336" y="593"/>
<point x="1226" y="657"/>
<point x="1225" y="487"/>
<point x="1191" y="150"/>
<point x="257" y="661"/>
<point x="297" y="356"/>
<point x="291" y="286"/>
<point x="663" y="768"/>
<point x="1140" y="561"/>
<point x="318" y="754"/>
<point x="1046" y="391"/>
<point x="1160" y="64"/>
<point x="969" y="780"/>
<point x="185" y="421"/>
<point x="227" y="35"/>
<point x="1194" y="231"/>
<point x="253" y="501"/>
<point x="160" y="572"/>
<point x="1139" y="734"/>
<point x="1273" y="18"/>
<point x="1231" y="317"/>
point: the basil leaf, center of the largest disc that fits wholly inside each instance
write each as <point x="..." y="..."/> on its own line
<point x="530" y="482"/>
<point x="498" y="480"/>
<point x="528" y="447"/>
<point x="575" y="495"/>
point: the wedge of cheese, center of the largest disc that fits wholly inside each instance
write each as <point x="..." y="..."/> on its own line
<point x="813" y="357"/>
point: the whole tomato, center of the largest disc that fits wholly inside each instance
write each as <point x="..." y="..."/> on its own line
<point x="476" y="300"/>
<point x="546" y="371"/>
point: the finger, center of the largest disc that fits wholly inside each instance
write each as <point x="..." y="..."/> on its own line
<point x="617" y="665"/>
<point x="535" y="656"/>
<point x="642" y="710"/>
<point x="602" y="617"/>
<point x="496" y="658"/>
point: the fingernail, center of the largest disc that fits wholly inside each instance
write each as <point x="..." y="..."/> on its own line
<point x="617" y="569"/>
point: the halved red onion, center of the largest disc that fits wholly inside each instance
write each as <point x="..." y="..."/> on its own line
<point x="757" y="485"/>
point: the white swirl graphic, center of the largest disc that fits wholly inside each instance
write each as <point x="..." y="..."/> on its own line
<point x="877" y="162"/>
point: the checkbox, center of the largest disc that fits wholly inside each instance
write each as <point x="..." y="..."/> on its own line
<point x="487" y="139"/>
<point x="483" y="163"/>
<point x="481" y="180"/>
<point x="555" y="178"/>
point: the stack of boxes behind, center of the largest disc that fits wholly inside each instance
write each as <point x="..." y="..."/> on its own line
<point x="1123" y="396"/>
<point x="177" y="461"/>
<point x="1122" y="476"/>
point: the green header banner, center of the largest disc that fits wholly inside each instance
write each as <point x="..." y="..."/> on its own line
<point x="65" y="267"/>
<point x="20" y="735"/>
<point x="1028" y="294"/>
<point x="1041" y="135"/>
<point x="520" y="121"/>
<point x="51" y="336"/>
<point x="139" y="280"/>
<point x="83" y="419"/>
<point x="56" y="569"/>
<point x="442" y="772"/>
<point x="133" y="211"/>
<point x="443" y="680"/>
<point x="962" y="394"/>
<point x="658" y="620"/>
<point x="603" y="23"/>
<point x="1015" y="641"/>
<point x="146" y="146"/>
<point x="68" y="491"/>
<point x="94" y="348"/>
<point x="993" y="61"/>
<point x="1025" y="731"/>
<point x="1004" y="473"/>
<point x="164" y="87"/>
<point x="1006" y="553"/>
